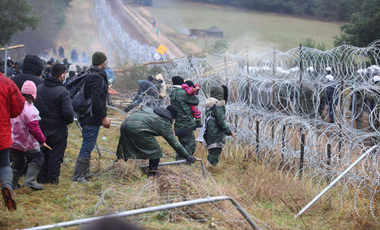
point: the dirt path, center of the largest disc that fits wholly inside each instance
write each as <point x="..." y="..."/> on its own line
<point x="150" y="31"/>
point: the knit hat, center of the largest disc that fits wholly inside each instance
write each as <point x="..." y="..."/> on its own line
<point x="217" y="92"/>
<point x="98" y="58"/>
<point x="173" y="110"/>
<point x="29" y="88"/>
<point x="189" y="83"/>
<point x="177" y="80"/>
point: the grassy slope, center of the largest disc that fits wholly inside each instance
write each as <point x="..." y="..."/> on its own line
<point x="243" y="29"/>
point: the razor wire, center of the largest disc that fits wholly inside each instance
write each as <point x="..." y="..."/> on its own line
<point x="281" y="105"/>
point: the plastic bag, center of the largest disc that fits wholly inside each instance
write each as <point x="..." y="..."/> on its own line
<point x="22" y="139"/>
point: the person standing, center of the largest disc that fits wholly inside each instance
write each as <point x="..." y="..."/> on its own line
<point x="216" y="126"/>
<point x="185" y="124"/>
<point x="56" y="113"/>
<point x="32" y="70"/>
<point x="96" y="88"/>
<point x="12" y="104"/>
<point x="138" y="132"/>
<point x="27" y="139"/>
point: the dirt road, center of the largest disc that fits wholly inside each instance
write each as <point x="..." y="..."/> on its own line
<point x="145" y="27"/>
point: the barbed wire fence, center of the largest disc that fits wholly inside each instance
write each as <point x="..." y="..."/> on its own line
<point x="279" y="107"/>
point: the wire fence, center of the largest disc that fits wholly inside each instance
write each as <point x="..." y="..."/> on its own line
<point x="308" y="112"/>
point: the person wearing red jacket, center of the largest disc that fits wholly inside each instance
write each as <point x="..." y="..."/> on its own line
<point x="11" y="105"/>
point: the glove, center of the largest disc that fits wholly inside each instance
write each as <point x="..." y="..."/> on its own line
<point x="190" y="159"/>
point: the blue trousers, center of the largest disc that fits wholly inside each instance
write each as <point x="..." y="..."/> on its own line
<point x="89" y="134"/>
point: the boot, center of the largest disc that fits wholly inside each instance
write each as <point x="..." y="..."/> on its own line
<point x="16" y="177"/>
<point x="31" y="175"/>
<point x="9" y="200"/>
<point x="82" y="165"/>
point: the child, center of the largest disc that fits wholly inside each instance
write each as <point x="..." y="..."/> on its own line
<point x="27" y="138"/>
<point x="192" y="89"/>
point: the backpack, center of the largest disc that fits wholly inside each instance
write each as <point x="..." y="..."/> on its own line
<point x="75" y="86"/>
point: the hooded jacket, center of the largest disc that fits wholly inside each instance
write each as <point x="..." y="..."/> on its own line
<point x="138" y="132"/>
<point x="182" y="100"/>
<point x="217" y="128"/>
<point x="32" y="69"/>
<point x="54" y="105"/>
<point x="96" y="88"/>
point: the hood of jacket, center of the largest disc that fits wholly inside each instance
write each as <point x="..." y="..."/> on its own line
<point x="52" y="82"/>
<point x="210" y="102"/>
<point x="33" y="65"/>
<point x="162" y="112"/>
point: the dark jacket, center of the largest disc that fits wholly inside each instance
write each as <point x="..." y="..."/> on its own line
<point x="182" y="100"/>
<point x="32" y="69"/>
<point x="96" y="88"/>
<point x="217" y="127"/>
<point x="54" y="105"/>
<point x="138" y="132"/>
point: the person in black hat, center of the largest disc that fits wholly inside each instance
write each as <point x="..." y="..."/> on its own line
<point x="96" y="88"/>
<point x="185" y="124"/>
<point x="138" y="132"/>
<point x="32" y="70"/>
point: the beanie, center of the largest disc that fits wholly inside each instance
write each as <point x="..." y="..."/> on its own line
<point x="177" y="80"/>
<point x="189" y="83"/>
<point x="173" y="110"/>
<point x="29" y="88"/>
<point x="98" y="58"/>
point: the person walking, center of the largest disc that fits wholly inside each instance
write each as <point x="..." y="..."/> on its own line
<point x="185" y="124"/>
<point x="27" y="139"/>
<point x="138" y="132"/>
<point x="12" y="105"/>
<point x="56" y="113"/>
<point x="216" y="125"/>
<point x="96" y="88"/>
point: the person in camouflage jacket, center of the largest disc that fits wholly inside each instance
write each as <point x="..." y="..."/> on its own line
<point x="138" y="132"/>
<point x="185" y="124"/>
<point x="217" y="128"/>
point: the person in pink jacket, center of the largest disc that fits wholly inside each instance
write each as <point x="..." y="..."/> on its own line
<point x="27" y="138"/>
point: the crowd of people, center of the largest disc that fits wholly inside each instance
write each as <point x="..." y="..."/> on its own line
<point x="39" y="108"/>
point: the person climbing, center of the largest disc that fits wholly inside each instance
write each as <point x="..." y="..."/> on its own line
<point x="216" y="125"/>
<point x="27" y="139"/>
<point x="185" y="124"/>
<point x="192" y="89"/>
<point x="138" y="132"/>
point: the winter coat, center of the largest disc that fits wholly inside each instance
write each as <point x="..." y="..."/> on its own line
<point x="182" y="100"/>
<point x="96" y="87"/>
<point x="148" y="85"/>
<point x="217" y="128"/>
<point x="32" y="69"/>
<point x="26" y="133"/>
<point x="54" y="105"/>
<point x="138" y="132"/>
<point x="11" y="106"/>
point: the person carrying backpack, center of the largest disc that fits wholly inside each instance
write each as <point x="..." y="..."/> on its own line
<point x="27" y="138"/>
<point x="56" y="113"/>
<point x="95" y="88"/>
<point x="216" y="126"/>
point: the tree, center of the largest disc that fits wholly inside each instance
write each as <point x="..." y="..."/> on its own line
<point x="14" y="17"/>
<point x="363" y="27"/>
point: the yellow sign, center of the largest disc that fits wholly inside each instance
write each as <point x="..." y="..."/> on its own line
<point x="161" y="49"/>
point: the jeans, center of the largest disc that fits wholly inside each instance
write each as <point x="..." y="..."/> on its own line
<point x="89" y="134"/>
<point x="6" y="174"/>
